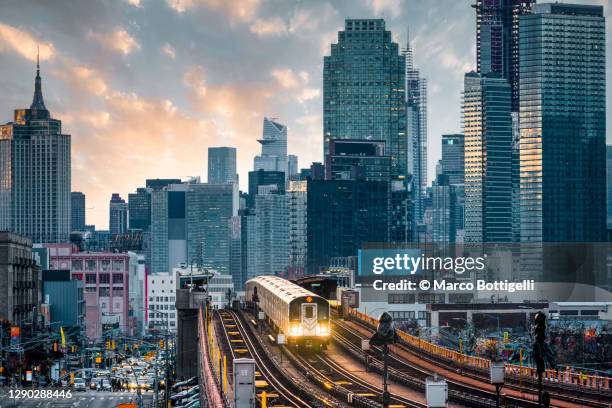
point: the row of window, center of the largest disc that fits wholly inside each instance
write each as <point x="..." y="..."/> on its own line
<point x="92" y="265"/>
<point x="103" y="278"/>
<point x="162" y="299"/>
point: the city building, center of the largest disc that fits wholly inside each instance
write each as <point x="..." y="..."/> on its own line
<point x="190" y="223"/>
<point x="357" y="159"/>
<point x="137" y="281"/>
<point x="497" y="39"/>
<point x="273" y="155"/>
<point x="453" y="166"/>
<point x="401" y="220"/>
<point x="363" y="90"/>
<point x="66" y="301"/>
<point x="20" y="281"/>
<point x="444" y="208"/>
<point x="416" y="130"/>
<point x="222" y="165"/>
<point x="342" y="216"/>
<point x="139" y="209"/>
<point x="161" y="296"/>
<point x="563" y="124"/>
<point x="292" y="166"/>
<point x="264" y="178"/>
<point x="118" y="215"/>
<point x="35" y="173"/>
<point x="297" y="202"/>
<point x="235" y="253"/>
<point x="487" y="126"/>
<point x="609" y="184"/>
<point x="77" y="211"/>
<point x="158" y="184"/>
<point x="106" y="279"/>
<point x="271" y="245"/>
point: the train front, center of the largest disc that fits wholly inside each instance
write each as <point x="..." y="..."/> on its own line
<point x="309" y="325"/>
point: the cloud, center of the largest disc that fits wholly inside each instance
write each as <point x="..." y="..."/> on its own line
<point x="287" y="78"/>
<point x="242" y="10"/>
<point x="308" y="94"/>
<point x="270" y="27"/>
<point x="392" y="7"/>
<point x="135" y="3"/>
<point x="80" y="78"/>
<point x="118" y="40"/>
<point x="169" y="51"/>
<point x="24" y="43"/>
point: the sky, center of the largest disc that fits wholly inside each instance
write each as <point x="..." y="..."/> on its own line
<point x="146" y="86"/>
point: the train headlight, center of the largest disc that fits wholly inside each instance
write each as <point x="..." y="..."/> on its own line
<point x="323" y="329"/>
<point x="295" y="329"/>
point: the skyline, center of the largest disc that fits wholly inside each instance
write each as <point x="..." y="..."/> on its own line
<point x="126" y="81"/>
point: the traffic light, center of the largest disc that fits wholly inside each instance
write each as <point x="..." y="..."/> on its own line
<point x="161" y="343"/>
<point x="55" y="346"/>
<point x="108" y="344"/>
<point x="385" y="332"/>
<point x="73" y="348"/>
<point x="113" y="345"/>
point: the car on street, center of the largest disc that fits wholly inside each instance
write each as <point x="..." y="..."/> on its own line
<point x="80" y="384"/>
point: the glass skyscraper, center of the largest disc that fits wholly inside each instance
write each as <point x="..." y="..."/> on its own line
<point x="118" y="215"/>
<point x="363" y="90"/>
<point x="487" y="126"/>
<point x="563" y="124"/>
<point x="35" y="173"/>
<point x="273" y="155"/>
<point x="222" y="165"/>
<point x="77" y="209"/>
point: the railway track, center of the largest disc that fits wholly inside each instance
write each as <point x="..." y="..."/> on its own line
<point x="280" y="392"/>
<point x="529" y="393"/>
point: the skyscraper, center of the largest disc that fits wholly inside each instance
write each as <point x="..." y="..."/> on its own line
<point x="273" y="155"/>
<point x="292" y="166"/>
<point x="264" y="178"/>
<point x="443" y="209"/>
<point x="497" y="39"/>
<point x="222" y="165"/>
<point x="363" y="90"/>
<point x="487" y="126"/>
<point x="563" y="124"/>
<point x="272" y="231"/>
<point x="351" y="159"/>
<point x="416" y="129"/>
<point x="35" y="173"/>
<point x="297" y="202"/>
<point x="453" y="150"/>
<point x="118" y="215"/>
<point x="139" y="209"/>
<point x="77" y="209"/>
<point x="609" y="181"/>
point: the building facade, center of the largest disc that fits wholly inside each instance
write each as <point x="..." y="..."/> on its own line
<point x="297" y="202"/>
<point x="222" y="165"/>
<point x="363" y="90"/>
<point x="273" y="155"/>
<point x="20" y="280"/>
<point x="118" y="215"/>
<point x="106" y="280"/>
<point x="139" y="209"/>
<point x="77" y="211"/>
<point x="161" y="294"/>
<point x="35" y="174"/>
<point x="563" y="124"/>
<point x="271" y="245"/>
<point x="487" y="126"/>
<point x="357" y="159"/>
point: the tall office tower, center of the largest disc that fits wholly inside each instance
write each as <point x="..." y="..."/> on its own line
<point x="357" y="159"/>
<point x="77" y="210"/>
<point x="453" y="151"/>
<point x="497" y="39"/>
<point x="401" y="225"/>
<point x="158" y="184"/>
<point x="297" y="201"/>
<point x="118" y="215"/>
<point x="363" y="90"/>
<point x="416" y="129"/>
<point x="563" y="124"/>
<point x="208" y="211"/>
<point x="273" y="155"/>
<point x="292" y="166"/>
<point x="443" y="211"/>
<point x="272" y="232"/>
<point x="453" y="166"/>
<point x="248" y="239"/>
<point x="488" y="151"/>
<point x="35" y="173"/>
<point x="235" y="253"/>
<point x="190" y="224"/>
<point x="222" y="165"/>
<point x="264" y="178"/>
<point x="139" y="209"/>
<point x="343" y="215"/>
<point x="609" y="183"/>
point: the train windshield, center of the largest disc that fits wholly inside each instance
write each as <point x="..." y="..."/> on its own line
<point x="309" y="312"/>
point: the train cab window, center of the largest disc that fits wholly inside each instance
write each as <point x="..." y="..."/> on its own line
<point x="309" y="312"/>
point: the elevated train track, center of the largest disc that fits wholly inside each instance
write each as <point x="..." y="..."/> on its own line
<point x="563" y="395"/>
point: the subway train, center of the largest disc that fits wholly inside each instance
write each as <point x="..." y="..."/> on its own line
<point x="299" y="314"/>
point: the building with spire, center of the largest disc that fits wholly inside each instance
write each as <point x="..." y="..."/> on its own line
<point x="273" y="142"/>
<point x="416" y="129"/>
<point x="35" y="173"/>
